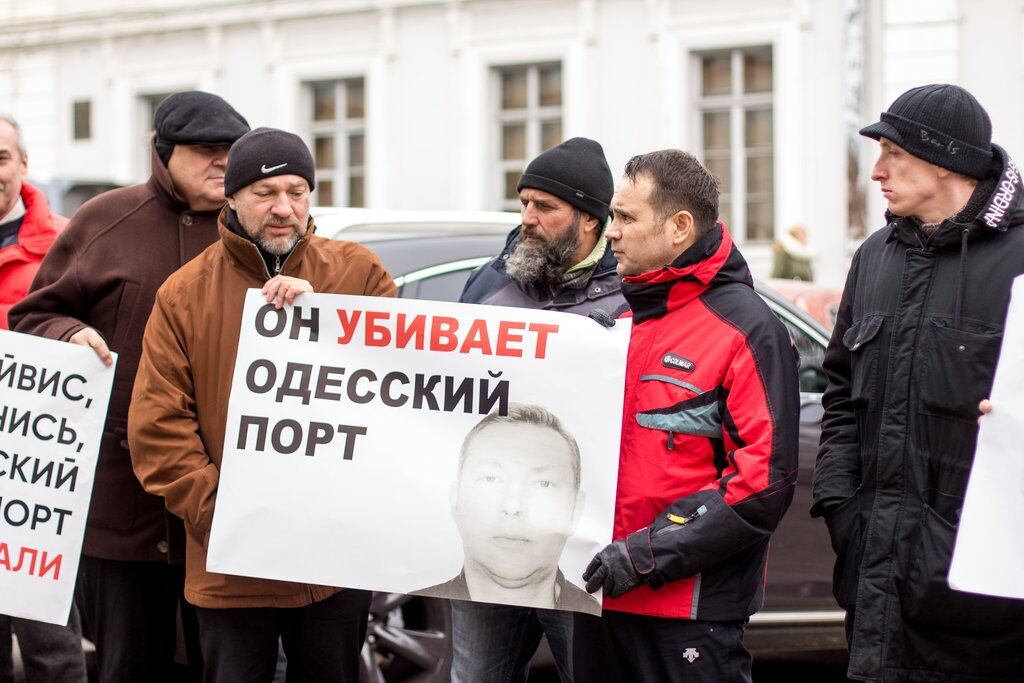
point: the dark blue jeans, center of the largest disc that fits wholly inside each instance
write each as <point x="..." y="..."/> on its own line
<point x="494" y="643"/>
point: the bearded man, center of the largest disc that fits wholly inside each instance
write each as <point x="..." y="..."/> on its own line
<point x="558" y="259"/>
<point x="179" y="408"/>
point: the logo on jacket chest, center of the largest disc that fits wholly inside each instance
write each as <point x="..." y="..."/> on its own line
<point x="672" y="360"/>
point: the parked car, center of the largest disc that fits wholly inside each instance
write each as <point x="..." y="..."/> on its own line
<point x="818" y="301"/>
<point x="430" y="255"/>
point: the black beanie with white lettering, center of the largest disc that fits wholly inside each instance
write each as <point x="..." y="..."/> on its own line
<point x="942" y="124"/>
<point x="265" y="153"/>
<point x="576" y="172"/>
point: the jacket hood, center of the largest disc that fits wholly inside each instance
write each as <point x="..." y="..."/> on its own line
<point x="996" y="204"/>
<point x="711" y="261"/>
<point x="160" y="181"/>
<point x="40" y="227"/>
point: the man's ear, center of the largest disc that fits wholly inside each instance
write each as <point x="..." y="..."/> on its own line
<point x="684" y="228"/>
<point x="231" y="202"/>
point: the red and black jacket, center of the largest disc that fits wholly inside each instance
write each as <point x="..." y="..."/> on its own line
<point x="20" y="261"/>
<point x="709" y="436"/>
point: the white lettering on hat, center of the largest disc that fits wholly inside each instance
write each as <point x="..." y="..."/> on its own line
<point x="264" y="168"/>
<point x="950" y="147"/>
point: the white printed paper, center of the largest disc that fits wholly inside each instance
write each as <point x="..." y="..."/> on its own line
<point x="989" y="554"/>
<point x="364" y="476"/>
<point x="53" y="402"/>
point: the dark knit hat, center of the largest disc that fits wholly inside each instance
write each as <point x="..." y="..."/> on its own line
<point x="575" y="171"/>
<point x="196" y="118"/>
<point x="942" y="124"/>
<point x="265" y="153"/>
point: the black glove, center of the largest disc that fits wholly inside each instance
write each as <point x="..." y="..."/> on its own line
<point x="613" y="570"/>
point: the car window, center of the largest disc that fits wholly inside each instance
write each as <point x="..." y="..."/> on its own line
<point x="443" y="287"/>
<point x="812" y="355"/>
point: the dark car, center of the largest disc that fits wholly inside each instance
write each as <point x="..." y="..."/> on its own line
<point x="430" y="255"/>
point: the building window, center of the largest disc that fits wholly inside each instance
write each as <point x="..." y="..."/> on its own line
<point x="81" y="118"/>
<point x="337" y="128"/>
<point x="529" y="121"/>
<point x="735" y="118"/>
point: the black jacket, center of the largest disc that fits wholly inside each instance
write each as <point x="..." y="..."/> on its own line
<point x="913" y="351"/>
<point x="490" y="284"/>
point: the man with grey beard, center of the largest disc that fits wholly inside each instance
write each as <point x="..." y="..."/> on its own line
<point x="557" y="259"/>
<point x="176" y="424"/>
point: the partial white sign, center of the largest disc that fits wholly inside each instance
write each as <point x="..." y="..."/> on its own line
<point x="989" y="554"/>
<point x="450" y="450"/>
<point x="53" y="402"/>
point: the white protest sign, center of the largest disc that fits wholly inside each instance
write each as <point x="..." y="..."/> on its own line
<point x="53" y="402"/>
<point x="344" y="461"/>
<point x="989" y="554"/>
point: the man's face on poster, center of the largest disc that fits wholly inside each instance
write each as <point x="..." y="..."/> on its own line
<point x="516" y="501"/>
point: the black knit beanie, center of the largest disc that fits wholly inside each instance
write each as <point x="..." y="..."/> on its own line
<point x="942" y="124"/>
<point x="265" y="153"/>
<point x="196" y="118"/>
<point x="575" y="171"/>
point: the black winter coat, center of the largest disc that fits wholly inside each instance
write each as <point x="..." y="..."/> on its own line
<point x="913" y="351"/>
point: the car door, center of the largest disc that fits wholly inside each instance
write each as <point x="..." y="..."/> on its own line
<point x="800" y="559"/>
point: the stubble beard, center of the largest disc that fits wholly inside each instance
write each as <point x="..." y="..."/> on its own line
<point x="544" y="262"/>
<point x="278" y="246"/>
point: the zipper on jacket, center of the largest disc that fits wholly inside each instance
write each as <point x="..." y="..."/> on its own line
<point x="671" y="443"/>
<point x="680" y="522"/>
<point x="277" y="264"/>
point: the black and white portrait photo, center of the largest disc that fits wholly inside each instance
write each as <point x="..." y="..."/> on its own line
<point x="516" y="501"/>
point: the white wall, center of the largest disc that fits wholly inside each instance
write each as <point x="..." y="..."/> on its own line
<point x="431" y="139"/>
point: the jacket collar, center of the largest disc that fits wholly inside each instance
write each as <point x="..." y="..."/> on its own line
<point x="39" y="228"/>
<point x="996" y="205"/>
<point x="710" y="261"/>
<point x="246" y="254"/>
<point x="162" y="186"/>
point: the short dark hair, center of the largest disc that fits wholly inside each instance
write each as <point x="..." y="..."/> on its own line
<point x="681" y="183"/>
<point x="525" y="413"/>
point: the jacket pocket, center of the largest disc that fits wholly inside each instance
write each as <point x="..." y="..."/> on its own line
<point x="844" y="529"/>
<point x="127" y="306"/>
<point x="926" y="596"/>
<point x="959" y="366"/>
<point x="115" y="488"/>
<point x="683" y="409"/>
<point x="863" y="343"/>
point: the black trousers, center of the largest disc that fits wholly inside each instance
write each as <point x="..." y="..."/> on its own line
<point x="129" y="611"/>
<point x="619" y="646"/>
<point x="322" y="641"/>
<point x="49" y="653"/>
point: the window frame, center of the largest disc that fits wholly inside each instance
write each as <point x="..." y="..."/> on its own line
<point x="77" y="133"/>
<point x="533" y="116"/>
<point x="737" y="103"/>
<point x="340" y="129"/>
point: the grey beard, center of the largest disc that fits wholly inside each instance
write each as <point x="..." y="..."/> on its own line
<point x="276" y="247"/>
<point x="546" y="262"/>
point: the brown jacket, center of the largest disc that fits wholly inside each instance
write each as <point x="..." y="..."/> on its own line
<point x="103" y="272"/>
<point x="179" y="408"/>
